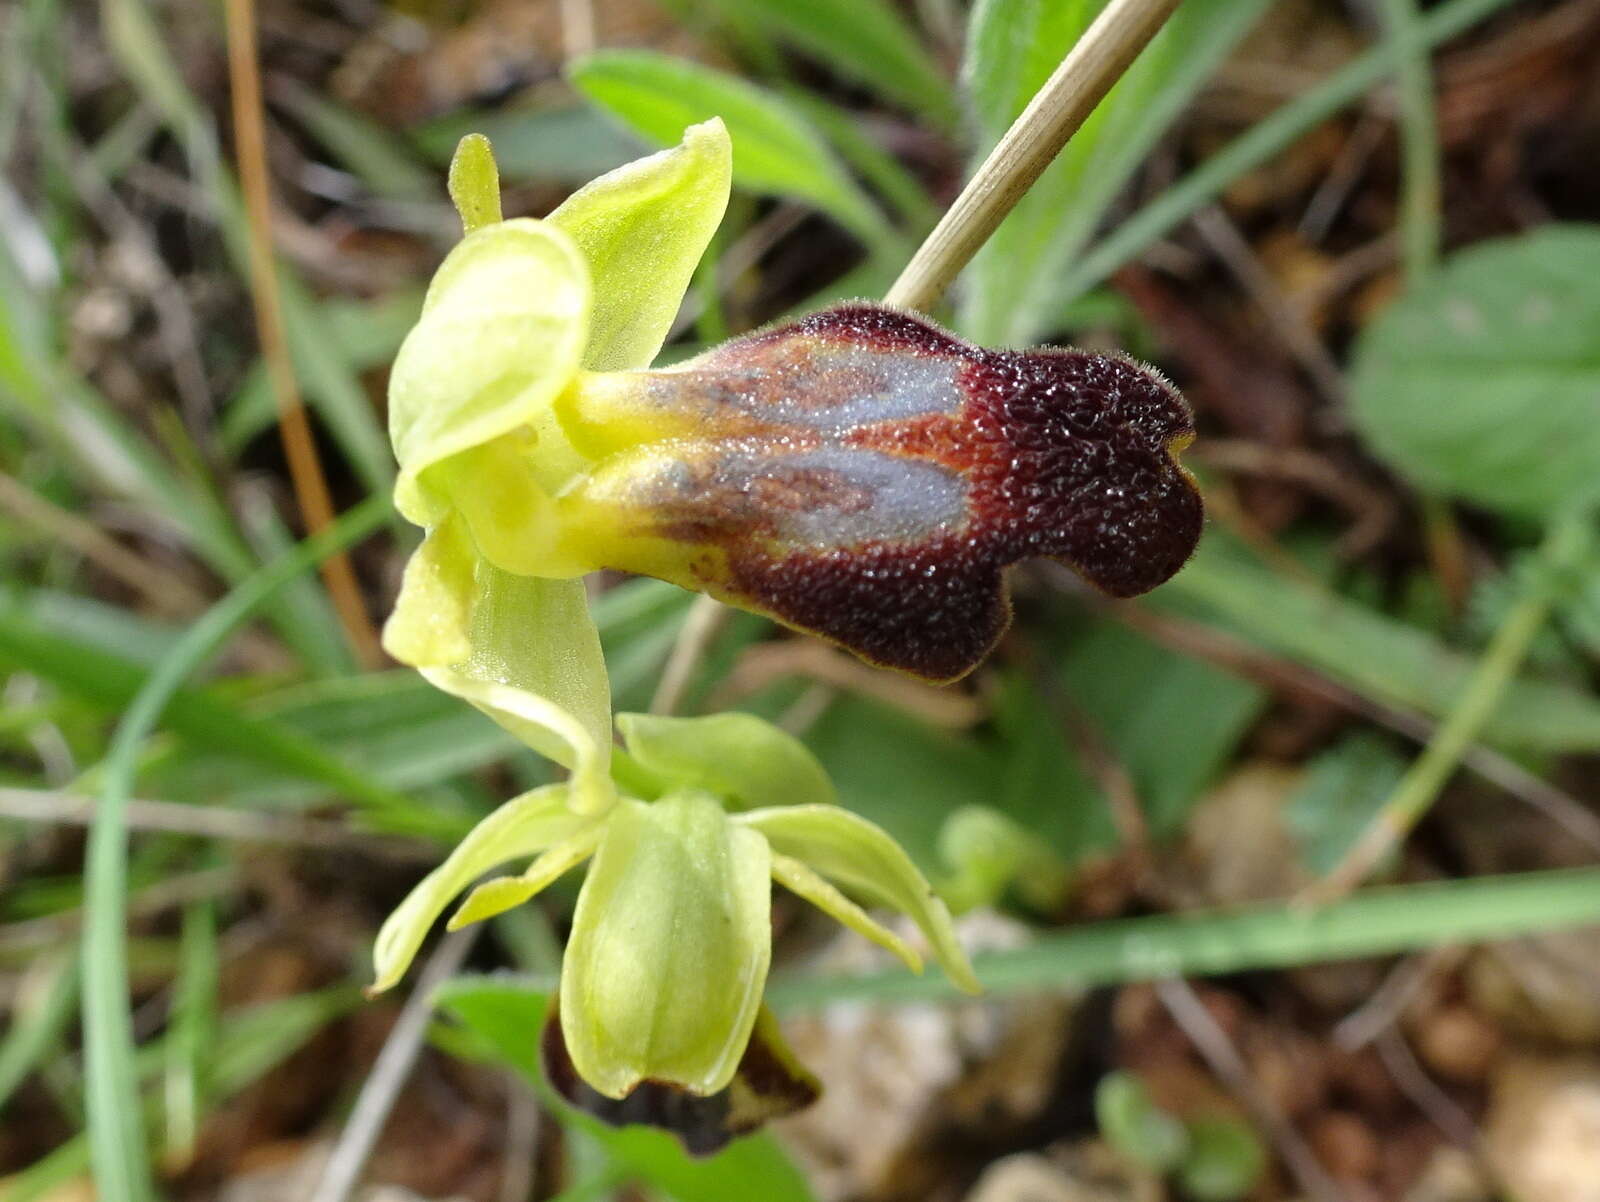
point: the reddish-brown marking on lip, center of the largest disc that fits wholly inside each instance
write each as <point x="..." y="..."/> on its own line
<point x="1067" y="454"/>
<point x="1063" y="453"/>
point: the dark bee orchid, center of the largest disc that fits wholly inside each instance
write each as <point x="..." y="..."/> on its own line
<point x="865" y="476"/>
<point x="859" y="474"/>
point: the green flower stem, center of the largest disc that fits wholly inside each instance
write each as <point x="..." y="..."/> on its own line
<point x="1419" y="140"/>
<point x="1270" y="935"/>
<point x="1263" y="140"/>
<point x="1065" y="101"/>
<point x="116" y="1122"/>
<point x="1562" y="549"/>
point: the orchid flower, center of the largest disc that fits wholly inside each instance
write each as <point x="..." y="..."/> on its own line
<point x="525" y="324"/>
<point x="859" y="474"/>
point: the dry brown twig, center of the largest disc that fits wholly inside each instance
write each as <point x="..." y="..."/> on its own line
<point x="1217" y="1050"/>
<point x="305" y="470"/>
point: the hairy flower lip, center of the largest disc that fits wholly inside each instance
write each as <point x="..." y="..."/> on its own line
<point x="865" y="476"/>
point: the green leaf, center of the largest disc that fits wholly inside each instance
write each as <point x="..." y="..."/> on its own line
<point x="1343" y="792"/>
<point x="642" y="229"/>
<point x="365" y="148"/>
<point x="1268" y="137"/>
<point x="1480" y="384"/>
<point x="669" y="950"/>
<point x="1375" y="655"/>
<point x="191" y="1030"/>
<point x="522" y="827"/>
<point x="116" y="1127"/>
<point x="40" y="1013"/>
<point x="742" y="760"/>
<point x="1013" y="295"/>
<point x="775" y="152"/>
<point x="865" y="40"/>
<point x="859" y="148"/>
<point x="1173" y="721"/>
<point x="1225" y="1160"/>
<point x="202" y="716"/>
<point x="569" y="145"/>
<point x="859" y="856"/>
<point x="1135" y="1126"/>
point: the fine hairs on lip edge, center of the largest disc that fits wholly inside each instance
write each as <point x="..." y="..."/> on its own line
<point x="866" y="476"/>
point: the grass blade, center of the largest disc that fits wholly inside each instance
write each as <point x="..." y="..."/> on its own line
<point x="1371" y="653"/>
<point x="865" y="40"/>
<point x="775" y="151"/>
<point x="1375" y="922"/>
<point x="116" y="1122"/>
<point x="1263" y="140"/>
<point x="39" y="1015"/>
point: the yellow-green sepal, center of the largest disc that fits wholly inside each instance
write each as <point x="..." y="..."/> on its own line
<point x="505" y="893"/>
<point x="642" y="229"/>
<point x="807" y="885"/>
<point x="523" y="649"/>
<point x="669" y="950"/>
<point x="524" y="826"/>
<point x="862" y="859"/>
<point x="502" y="334"/>
<point x="743" y="760"/>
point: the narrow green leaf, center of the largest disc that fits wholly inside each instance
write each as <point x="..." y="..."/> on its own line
<point x="204" y="717"/>
<point x="1374" y="922"/>
<point x="40" y="1012"/>
<point x="1375" y="655"/>
<point x="116" y="1124"/>
<point x="360" y="145"/>
<point x="1263" y="140"/>
<point x="1013" y="295"/>
<point x="865" y="40"/>
<point x="775" y="151"/>
<point x="856" y="145"/>
<point x="191" y="1030"/>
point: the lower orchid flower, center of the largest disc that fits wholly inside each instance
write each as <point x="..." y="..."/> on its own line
<point x="663" y="974"/>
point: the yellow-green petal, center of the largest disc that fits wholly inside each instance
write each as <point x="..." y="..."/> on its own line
<point x="501" y="336"/>
<point x="642" y="229"/>
<point x="507" y="892"/>
<point x="861" y="857"/>
<point x="475" y="183"/>
<point x="670" y="947"/>
<point x="807" y="885"/>
<point x="523" y="826"/>
<point x="522" y="649"/>
<point x="741" y="759"/>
